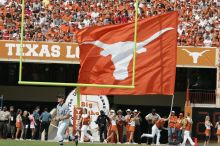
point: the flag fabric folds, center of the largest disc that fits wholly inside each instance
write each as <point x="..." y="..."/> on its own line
<point x="106" y="56"/>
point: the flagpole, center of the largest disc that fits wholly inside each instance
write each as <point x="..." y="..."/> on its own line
<point x="135" y="43"/>
<point x="78" y="96"/>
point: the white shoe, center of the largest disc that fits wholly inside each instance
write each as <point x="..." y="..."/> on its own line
<point x="105" y="141"/>
<point x="21" y="139"/>
<point x="118" y="143"/>
<point x="16" y="139"/>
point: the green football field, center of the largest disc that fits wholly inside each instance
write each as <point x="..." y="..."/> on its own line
<point x="39" y="143"/>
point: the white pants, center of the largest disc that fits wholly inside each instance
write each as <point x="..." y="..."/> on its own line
<point x="155" y="131"/>
<point x="62" y="126"/>
<point x="84" y="133"/>
<point x="187" y="136"/>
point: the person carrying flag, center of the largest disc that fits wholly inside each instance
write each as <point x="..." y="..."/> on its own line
<point x="156" y="130"/>
<point x="187" y="125"/>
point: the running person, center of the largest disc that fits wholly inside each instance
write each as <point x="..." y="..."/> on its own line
<point x="151" y="119"/>
<point x="156" y="130"/>
<point x="85" y="121"/>
<point x="62" y="117"/>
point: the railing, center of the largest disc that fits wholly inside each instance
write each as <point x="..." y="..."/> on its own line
<point x="200" y="96"/>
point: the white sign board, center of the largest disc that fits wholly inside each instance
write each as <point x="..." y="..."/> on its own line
<point x="93" y="103"/>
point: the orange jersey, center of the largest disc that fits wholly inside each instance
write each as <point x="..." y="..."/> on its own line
<point x="172" y="121"/>
<point x="160" y="123"/>
<point x="85" y="120"/>
<point x="188" y="126"/>
<point x="179" y="123"/>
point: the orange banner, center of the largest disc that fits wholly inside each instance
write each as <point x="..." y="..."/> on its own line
<point x="47" y="52"/>
<point x="77" y="113"/>
<point x="196" y="56"/>
<point x="40" y="52"/>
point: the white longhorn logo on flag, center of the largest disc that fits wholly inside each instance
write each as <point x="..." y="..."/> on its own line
<point x="122" y="52"/>
<point x="195" y="55"/>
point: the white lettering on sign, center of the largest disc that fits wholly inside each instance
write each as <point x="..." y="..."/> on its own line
<point x="10" y="47"/>
<point x="77" y="52"/>
<point x="18" y="46"/>
<point x="68" y="52"/>
<point x="31" y="50"/>
<point x="42" y="50"/>
<point x="78" y="115"/>
<point x="93" y="104"/>
<point x="55" y="51"/>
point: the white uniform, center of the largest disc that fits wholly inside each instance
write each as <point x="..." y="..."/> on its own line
<point x="62" y="110"/>
<point x="85" y="128"/>
<point x="187" y="133"/>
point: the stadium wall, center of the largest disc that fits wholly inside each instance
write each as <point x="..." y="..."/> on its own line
<point x="149" y="100"/>
<point x="30" y="93"/>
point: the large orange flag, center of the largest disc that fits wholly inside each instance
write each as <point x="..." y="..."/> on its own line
<point x="106" y="56"/>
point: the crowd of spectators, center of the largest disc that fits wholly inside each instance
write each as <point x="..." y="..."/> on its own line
<point x="23" y="124"/>
<point x="58" y="20"/>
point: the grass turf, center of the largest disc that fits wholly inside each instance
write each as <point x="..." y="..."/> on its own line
<point x="39" y="143"/>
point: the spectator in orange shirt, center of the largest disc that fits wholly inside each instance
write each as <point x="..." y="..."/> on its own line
<point x="67" y="37"/>
<point x="171" y="126"/>
<point x="65" y="27"/>
<point x="179" y="126"/>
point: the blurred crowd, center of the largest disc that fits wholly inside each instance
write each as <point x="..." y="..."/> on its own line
<point x="58" y="20"/>
<point x="23" y="124"/>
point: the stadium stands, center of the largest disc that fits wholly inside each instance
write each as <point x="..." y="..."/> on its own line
<point x="58" y="20"/>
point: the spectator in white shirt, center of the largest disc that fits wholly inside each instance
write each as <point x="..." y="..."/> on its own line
<point x="207" y="41"/>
